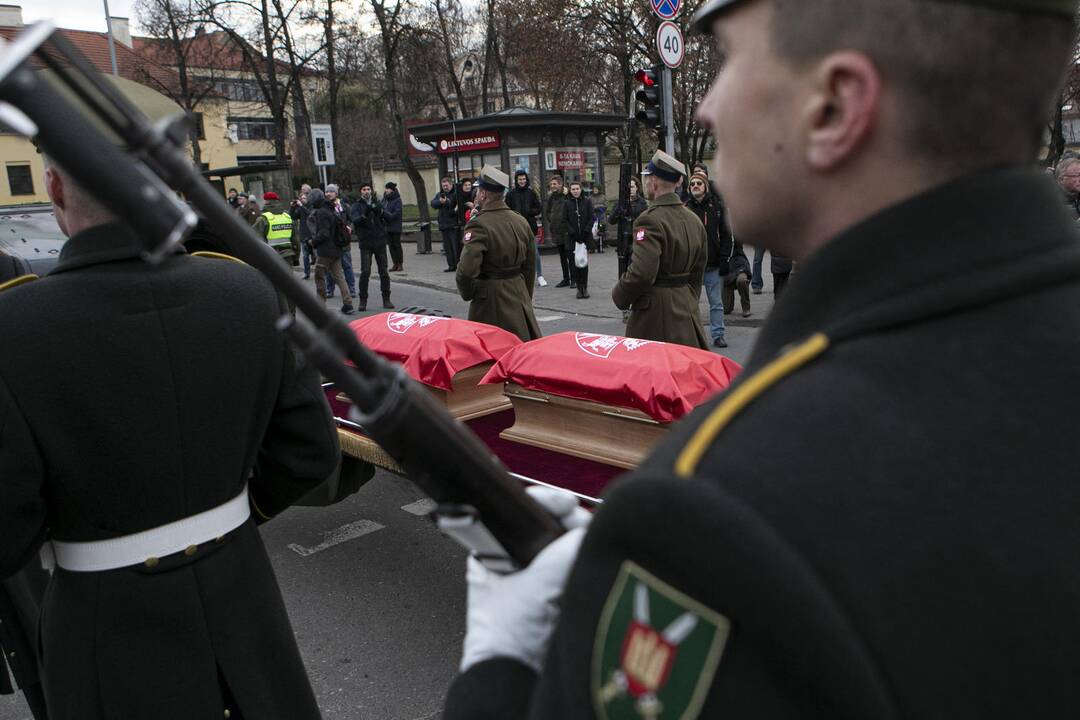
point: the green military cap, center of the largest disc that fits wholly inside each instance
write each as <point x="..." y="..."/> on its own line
<point x="492" y="178"/>
<point x="665" y="167"/>
<point x="1067" y="8"/>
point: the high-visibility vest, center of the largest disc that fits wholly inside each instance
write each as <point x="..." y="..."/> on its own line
<point x="278" y="227"/>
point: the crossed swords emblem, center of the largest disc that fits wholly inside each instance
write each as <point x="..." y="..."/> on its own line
<point x="647" y="657"/>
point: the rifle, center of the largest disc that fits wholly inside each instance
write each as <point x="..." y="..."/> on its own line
<point x="480" y="504"/>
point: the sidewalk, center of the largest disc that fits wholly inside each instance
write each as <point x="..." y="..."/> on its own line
<point x="427" y="271"/>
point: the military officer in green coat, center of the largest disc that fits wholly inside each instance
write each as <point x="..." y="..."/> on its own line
<point x="662" y="286"/>
<point x="496" y="271"/>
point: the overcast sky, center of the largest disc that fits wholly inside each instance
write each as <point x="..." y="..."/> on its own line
<point x="76" y="14"/>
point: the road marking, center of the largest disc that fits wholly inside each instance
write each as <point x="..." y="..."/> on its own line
<point x="338" y="536"/>
<point x="549" y="318"/>
<point x="423" y="506"/>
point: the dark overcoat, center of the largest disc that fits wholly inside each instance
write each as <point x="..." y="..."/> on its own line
<point x="497" y="270"/>
<point x="882" y="508"/>
<point x="662" y="286"/>
<point x="131" y="396"/>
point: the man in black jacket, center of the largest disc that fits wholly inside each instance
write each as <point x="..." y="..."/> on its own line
<point x="368" y="219"/>
<point x="331" y="243"/>
<point x="710" y="210"/>
<point x="855" y="529"/>
<point x="445" y="202"/>
<point x="142" y="438"/>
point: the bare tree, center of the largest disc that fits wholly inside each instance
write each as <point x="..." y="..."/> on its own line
<point x="177" y="62"/>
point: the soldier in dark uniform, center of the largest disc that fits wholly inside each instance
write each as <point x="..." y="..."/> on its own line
<point x="662" y="286"/>
<point x="497" y="268"/>
<point x="20" y="594"/>
<point x="150" y="417"/>
<point x="878" y="520"/>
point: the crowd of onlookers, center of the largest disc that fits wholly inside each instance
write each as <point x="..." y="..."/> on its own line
<point x="569" y="216"/>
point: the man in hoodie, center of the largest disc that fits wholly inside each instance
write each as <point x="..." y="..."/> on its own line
<point x="710" y="210"/>
<point x="392" y="218"/>
<point x="341" y="210"/>
<point x="523" y="200"/>
<point x="329" y="242"/>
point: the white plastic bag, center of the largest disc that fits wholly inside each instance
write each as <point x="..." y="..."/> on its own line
<point x="581" y="255"/>
<point x="596" y="230"/>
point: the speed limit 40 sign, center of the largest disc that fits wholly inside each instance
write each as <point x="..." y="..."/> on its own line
<point x="670" y="45"/>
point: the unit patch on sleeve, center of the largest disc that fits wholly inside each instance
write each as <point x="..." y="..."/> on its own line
<point x="468" y="237"/>
<point x="656" y="650"/>
<point x="640" y="235"/>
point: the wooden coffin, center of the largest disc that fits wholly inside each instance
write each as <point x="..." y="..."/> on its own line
<point x="468" y="399"/>
<point x="603" y="433"/>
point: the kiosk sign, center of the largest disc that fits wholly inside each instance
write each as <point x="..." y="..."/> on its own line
<point x="467" y="142"/>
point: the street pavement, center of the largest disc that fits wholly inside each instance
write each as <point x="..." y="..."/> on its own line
<point x="376" y="595"/>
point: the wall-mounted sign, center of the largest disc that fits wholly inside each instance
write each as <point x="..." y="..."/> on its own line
<point x="467" y="142"/>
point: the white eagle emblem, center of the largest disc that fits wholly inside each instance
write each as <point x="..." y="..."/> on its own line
<point x="602" y="346"/>
<point x="401" y="323"/>
<point x="468" y="237"/>
<point x="640" y="237"/>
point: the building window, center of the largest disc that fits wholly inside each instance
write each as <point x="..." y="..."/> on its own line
<point x="239" y="90"/>
<point x="242" y="160"/>
<point x="200" y="125"/>
<point x="1070" y="128"/>
<point x="253" y="128"/>
<point x="20" y="179"/>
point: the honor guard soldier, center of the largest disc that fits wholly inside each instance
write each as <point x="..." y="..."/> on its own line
<point x="497" y="268"/>
<point x="150" y="417"/>
<point x="20" y="594"/>
<point x="878" y="519"/>
<point x="662" y="287"/>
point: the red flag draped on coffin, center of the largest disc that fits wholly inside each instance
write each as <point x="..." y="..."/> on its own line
<point x="663" y="380"/>
<point x="433" y="349"/>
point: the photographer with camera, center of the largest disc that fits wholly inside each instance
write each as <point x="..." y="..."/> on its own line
<point x="370" y="225"/>
<point x="445" y="202"/>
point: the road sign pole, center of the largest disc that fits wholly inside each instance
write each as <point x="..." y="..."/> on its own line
<point x="669" y="131"/>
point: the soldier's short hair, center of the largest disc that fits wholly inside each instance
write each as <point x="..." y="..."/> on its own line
<point x="977" y="83"/>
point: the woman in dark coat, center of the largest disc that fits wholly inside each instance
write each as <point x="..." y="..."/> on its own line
<point x="638" y="204"/>
<point x="579" y="220"/>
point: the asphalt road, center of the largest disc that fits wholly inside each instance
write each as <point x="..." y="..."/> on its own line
<point x="375" y="593"/>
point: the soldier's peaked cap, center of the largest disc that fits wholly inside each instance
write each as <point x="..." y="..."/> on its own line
<point x="1066" y="8"/>
<point x="492" y="178"/>
<point x="664" y="166"/>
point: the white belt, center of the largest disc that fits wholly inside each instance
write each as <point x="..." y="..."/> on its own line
<point x="149" y="545"/>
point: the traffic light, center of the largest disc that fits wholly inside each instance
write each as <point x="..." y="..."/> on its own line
<point x="651" y="97"/>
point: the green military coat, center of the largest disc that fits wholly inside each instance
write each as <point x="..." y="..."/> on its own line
<point x="663" y="283"/>
<point x="497" y="270"/>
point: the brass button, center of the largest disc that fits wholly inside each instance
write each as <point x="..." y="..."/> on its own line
<point x="227" y="713"/>
<point x="191" y="550"/>
<point x="219" y="538"/>
<point x="152" y="562"/>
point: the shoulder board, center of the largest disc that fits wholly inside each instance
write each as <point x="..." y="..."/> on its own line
<point x="217" y="256"/>
<point x="16" y="282"/>
<point x="741" y="396"/>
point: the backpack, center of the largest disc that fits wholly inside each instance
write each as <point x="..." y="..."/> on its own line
<point x="342" y="236"/>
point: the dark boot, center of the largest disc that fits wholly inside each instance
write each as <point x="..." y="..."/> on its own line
<point x="361" y="304"/>
<point x="583" y="283"/>
<point x="386" y="302"/>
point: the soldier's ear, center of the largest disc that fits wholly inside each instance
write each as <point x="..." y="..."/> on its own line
<point x="842" y="109"/>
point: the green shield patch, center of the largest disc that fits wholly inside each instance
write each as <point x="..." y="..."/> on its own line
<point x="656" y="650"/>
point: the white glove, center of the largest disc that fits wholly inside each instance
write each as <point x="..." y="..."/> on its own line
<point x="514" y="615"/>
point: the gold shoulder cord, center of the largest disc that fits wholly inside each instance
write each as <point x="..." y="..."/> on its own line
<point x="16" y="282"/>
<point x="687" y="462"/>
<point x="217" y="256"/>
